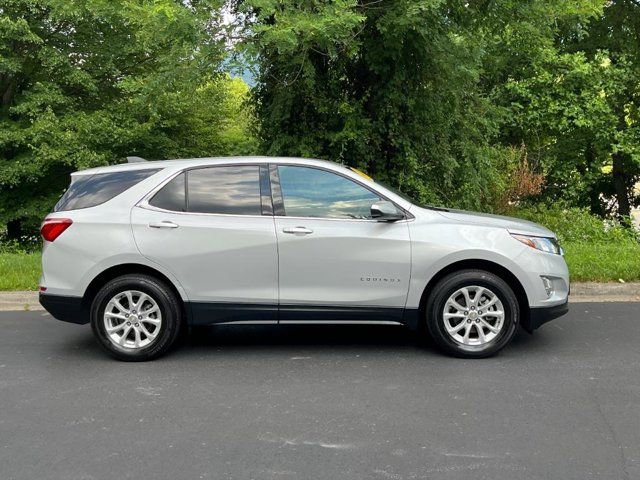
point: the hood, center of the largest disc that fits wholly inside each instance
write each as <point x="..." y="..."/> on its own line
<point x="514" y="225"/>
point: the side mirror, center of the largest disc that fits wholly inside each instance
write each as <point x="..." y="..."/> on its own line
<point x="384" y="211"/>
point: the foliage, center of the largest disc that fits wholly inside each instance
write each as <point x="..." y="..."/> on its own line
<point x="22" y="245"/>
<point x="566" y="111"/>
<point x="578" y="225"/>
<point x="575" y="106"/>
<point x="477" y="104"/>
<point x="88" y="82"/>
<point x="386" y="87"/>
<point x="411" y="91"/>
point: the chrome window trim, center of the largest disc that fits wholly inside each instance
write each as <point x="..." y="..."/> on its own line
<point x="407" y="214"/>
<point x="405" y="220"/>
<point x="144" y="201"/>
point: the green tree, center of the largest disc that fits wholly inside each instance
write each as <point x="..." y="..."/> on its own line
<point x="566" y="112"/>
<point x="384" y="86"/>
<point x="574" y="104"/>
<point x="88" y="82"/>
<point x="406" y="89"/>
<point x="617" y="32"/>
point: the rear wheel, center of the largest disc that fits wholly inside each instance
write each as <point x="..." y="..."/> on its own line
<point x="472" y="314"/>
<point x="136" y="317"/>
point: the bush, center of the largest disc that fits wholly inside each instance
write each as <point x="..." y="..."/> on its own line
<point x="575" y="225"/>
<point x="24" y="245"/>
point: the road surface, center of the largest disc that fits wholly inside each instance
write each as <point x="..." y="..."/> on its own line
<point x="323" y="403"/>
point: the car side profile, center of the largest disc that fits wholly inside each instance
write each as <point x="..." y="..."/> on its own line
<point x="144" y="249"/>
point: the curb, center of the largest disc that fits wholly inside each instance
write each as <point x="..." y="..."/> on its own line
<point x="580" y="292"/>
<point x="604" y="292"/>
<point x="19" y="301"/>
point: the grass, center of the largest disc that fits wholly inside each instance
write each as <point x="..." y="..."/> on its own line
<point x="19" y="271"/>
<point x="588" y="262"/>
<point x="603" y="262"/>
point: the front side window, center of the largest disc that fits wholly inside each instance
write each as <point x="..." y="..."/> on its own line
<point x="228" y="190"/>
<point x="90" y="190"/>
<point x="311" y="192"/>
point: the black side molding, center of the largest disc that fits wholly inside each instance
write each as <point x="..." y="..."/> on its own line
<point x="339" y="313"/>
<point x="210" y="313"/>
<point x="67" y="309"/>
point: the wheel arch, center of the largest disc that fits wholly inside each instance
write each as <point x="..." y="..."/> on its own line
<point x="479" y="264"/>
<point x="127" y="269"/>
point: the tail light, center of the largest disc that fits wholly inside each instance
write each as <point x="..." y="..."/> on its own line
<point x="52" y="228"/>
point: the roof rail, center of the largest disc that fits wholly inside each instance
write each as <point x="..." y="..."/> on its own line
<point x="135" y="159"/>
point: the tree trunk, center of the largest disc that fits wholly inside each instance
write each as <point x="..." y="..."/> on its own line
<point x="14" y="229"/>
<point x="620" y="186"/>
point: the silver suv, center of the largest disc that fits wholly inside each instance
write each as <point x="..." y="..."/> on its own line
<point x="141" y="250"/>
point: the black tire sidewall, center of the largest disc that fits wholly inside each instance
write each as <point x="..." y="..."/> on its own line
<point x="446" y="287"/>
<point x="166" y="301"/>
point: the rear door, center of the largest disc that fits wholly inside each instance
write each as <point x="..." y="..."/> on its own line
<point x="335" y="261"/>
<point x="212" y="228"/>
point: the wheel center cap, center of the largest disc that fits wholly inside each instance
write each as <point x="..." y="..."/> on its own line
<point x="473" y="315"/>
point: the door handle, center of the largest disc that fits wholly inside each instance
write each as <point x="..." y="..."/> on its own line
<point x="163" y="224"/>
<point x="297" y="230"/>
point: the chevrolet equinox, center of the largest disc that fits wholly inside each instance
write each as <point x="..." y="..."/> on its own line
<point x="144" y="249"/>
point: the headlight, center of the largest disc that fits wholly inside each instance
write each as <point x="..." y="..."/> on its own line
<point x="549" y="245"/>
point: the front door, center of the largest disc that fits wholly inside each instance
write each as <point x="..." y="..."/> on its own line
<point x="335" y="261"/>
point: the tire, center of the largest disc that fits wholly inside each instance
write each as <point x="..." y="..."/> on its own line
<point x="489" y="332"/>
<point x="148" y="335"/>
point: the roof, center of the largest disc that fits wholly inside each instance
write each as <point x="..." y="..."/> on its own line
<point x="196" y="162"/>
<point x="180" y="164"/>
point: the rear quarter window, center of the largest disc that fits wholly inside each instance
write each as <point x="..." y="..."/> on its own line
<point x="90" y="190"/>
<point x="172" y="196"/>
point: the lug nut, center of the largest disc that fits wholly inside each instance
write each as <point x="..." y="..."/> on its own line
<point x="137" y="324"/>
<point x="129" y="323"/>
<point x="466" y="313"/>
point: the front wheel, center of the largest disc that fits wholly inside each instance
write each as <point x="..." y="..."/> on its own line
<point x="472" y="314"/>
<point x="135" y="317"/>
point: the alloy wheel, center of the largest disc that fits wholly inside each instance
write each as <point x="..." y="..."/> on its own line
<point x="132" y="319"/>
<point x="473" y="315"/>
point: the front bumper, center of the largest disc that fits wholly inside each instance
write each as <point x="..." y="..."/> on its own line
<point x="538" y="316"/>
<point x="67" y="309"/>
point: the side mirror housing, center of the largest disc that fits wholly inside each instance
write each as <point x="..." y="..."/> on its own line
<point x="384" y="211"/>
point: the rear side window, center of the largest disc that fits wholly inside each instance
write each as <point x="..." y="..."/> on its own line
<point x="229" y="190"/>
<point x="90" y="190"/>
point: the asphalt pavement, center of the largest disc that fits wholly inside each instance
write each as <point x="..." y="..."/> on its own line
<point x="323" y="403"/>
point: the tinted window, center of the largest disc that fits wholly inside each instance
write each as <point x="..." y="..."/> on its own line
<point x="90" y="190"/>
<point x="231" y="190"/>
<point x="310" y="192"/>
<point x="171" y="196"/>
